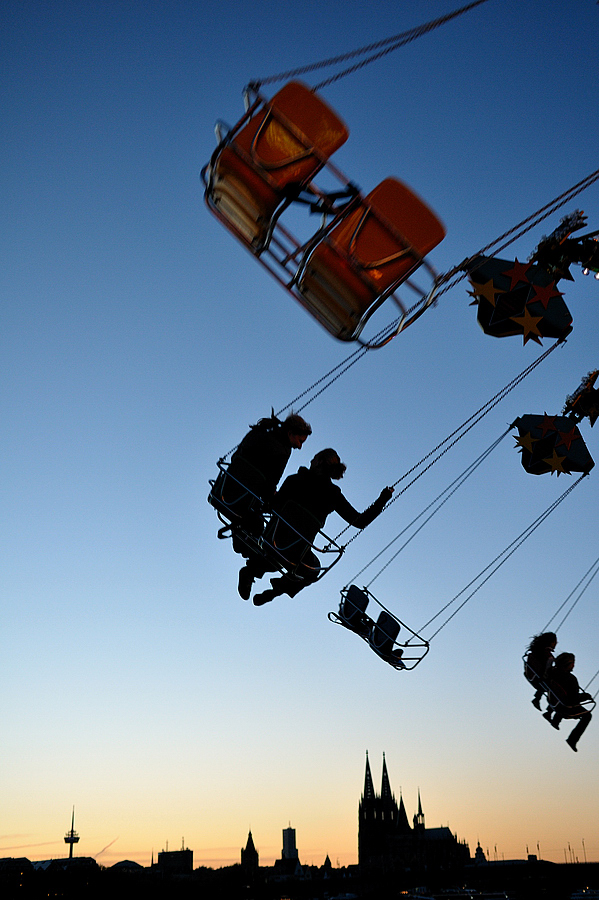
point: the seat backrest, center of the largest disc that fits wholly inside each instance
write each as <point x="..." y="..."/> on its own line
<point x="284" y="143"/>
<point x="382" y="234"/>
<point x="291" y="532"/>
<point x="375" y="246"/>
<point x="292" y="136"/>
<point x="353" y="604"/>
<point x="533" y="669"/>
<point x="384" y="633"/>
<point x="238" y="489"/>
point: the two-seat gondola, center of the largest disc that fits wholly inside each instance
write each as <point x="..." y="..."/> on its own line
<point x="257" y="529"/>
<point x="381" y="635"/>
<point x="365" y="247"/>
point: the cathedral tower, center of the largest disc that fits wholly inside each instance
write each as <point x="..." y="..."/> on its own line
<point x="249" y="857"/>
<point x="377" y="817"/>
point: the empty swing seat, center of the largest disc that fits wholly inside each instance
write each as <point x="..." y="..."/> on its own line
<point x="374" y="248"/>
<point x="282" y="146"/>
<point x="383" y="637"/>
<point x="352" y="611"/>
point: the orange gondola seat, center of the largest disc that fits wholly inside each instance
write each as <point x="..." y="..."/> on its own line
<point x="269" y="158"/>
<point x="378" y="244"/>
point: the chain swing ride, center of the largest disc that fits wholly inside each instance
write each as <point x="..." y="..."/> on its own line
<point x="366" y="247"/>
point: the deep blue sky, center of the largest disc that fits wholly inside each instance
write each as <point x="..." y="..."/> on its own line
<point x="139" y="340"/>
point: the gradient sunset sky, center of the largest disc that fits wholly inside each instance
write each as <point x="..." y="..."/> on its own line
<point x="139" y="341"/>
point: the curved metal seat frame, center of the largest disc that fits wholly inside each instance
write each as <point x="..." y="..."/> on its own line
<point x="232" y="499"/>
<point x="553" y="699"/>
<point x="280" y="544"/>
<point x="343" y="305"/>
<point x="413" y="647"/>
<point x="284" y="544"/>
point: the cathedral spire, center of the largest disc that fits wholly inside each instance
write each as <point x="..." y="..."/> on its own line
<point x="385" y="785"/>
<point x="403" y="825"/>
<point x="419" y="817"/>
<point x="249" y="856"/>
<point x="368" y="785"/>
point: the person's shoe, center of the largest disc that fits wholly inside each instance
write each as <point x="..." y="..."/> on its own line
<point x="572" y="744"/>
<point x="244" y="585"/>
<point x="264" y="597"/>
<point x="548" y="715"/>
<point x="536" y="702"/>
<point x="555" y="722"/>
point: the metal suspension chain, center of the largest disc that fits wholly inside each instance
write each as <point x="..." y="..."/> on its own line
<point x="499" y="560"/>
<point x="521" y="228"/>
<point x="389" y="44"/>
<point x="459" y="433"/>
<point x="452" y="277"/>
<point x="444" y="496"/>
<point x="595" y="566"/>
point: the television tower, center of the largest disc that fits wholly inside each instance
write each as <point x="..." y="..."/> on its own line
<point x="71" y="837"/>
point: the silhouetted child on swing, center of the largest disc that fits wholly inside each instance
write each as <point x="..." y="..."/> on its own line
<point x="539" y="661"/>
<point x="564" y="685"/>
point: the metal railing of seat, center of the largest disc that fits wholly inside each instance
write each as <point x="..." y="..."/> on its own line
<point x="266" y="533"/>
<point x="555" y="702"/>
<point x="285" y="254"/>
<point x="380" y="634"/>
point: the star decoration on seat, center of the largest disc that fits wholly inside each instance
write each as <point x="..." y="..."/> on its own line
<point x="529" y="326"/>
<point x="566" y="437"/>
<point x="525" y="441"/>
<point x="518" y="273"/>
<point x="547" y="425"/>
<point x="554" y="463"/>
<point x="545" y="294"/>
<point x="487" y="291"/>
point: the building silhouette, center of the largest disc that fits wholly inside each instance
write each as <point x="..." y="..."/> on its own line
<point x="175" y="862"/>
<point x="289" y="850"/>
<point x="250" y="861"/>
<point x="387" y="843"/>
<point x="288" y="867"/>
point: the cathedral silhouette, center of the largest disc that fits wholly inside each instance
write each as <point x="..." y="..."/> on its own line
<point x="388" y="843"/>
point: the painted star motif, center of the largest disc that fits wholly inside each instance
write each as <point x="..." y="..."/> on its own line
<point x="555" y="463"/>
<point x="528" y="324"/>
<point x="487" y="291"/>
<point x="566" y="437"/>
<point x="525" y="441"/>
<point x="548" y="424"/>
<point x="544" y="294"/>
<point x="518" y="273"/>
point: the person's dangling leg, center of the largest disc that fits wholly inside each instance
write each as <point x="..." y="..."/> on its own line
<point x="579" y="730"/>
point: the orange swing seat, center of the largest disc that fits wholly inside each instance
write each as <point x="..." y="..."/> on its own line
<point x="363" y="259"/>
<point x="268" y="158"/>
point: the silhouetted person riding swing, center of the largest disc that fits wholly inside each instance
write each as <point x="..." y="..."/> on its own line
<point x="256" y="468"/>
<point x="539" y="660"/>
<point x="564" y="684"/>
<point x="304" y="502"/>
